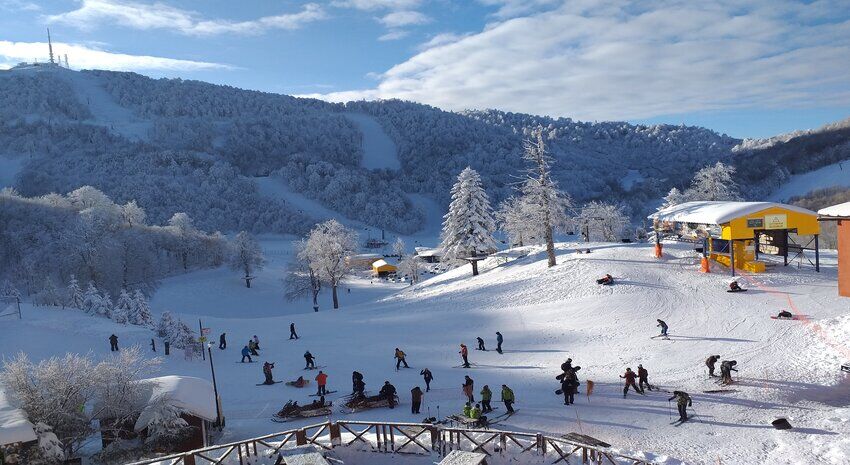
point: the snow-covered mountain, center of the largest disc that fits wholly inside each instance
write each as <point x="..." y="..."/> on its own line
<point x="175" y="145"/>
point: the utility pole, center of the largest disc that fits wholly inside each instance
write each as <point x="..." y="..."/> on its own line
<point x="215" y="388"/>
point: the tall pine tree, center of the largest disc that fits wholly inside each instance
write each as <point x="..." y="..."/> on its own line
<point x="123" y="308"/>
<point x="74" y="294"/>
<point x="140" y="313"/>
<point x="469" y="225"/>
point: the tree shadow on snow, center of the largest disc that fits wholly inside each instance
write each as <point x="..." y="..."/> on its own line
<point x="537" y="351"/>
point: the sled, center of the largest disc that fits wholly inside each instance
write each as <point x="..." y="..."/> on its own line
<point x="357" y="403"/>
<point x="292" y="411"/>
<point x="736" y="290"/>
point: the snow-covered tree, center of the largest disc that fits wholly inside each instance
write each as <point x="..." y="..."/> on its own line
<point x="133" y="214"/>
<point x="301" y="278"/>
<point x="140" y="311"/>
<point x="49" y="447"/>
<point x="602" y="221"/>
<point x="185" y="237"/>
<point x="246" y="256"/>
<point x="49" y="295"/>
<point x="410" y="265"/>
<point x="674" y="197"/>
<point x="182" y="336"/>
<point x="123" y="310"/>
<point x="166" y="427"/>
<point x="106" y="306"/>
<point x="714" y="183"/>
<point x="91" y="300"/>
<point x="7" y="289"/>
<point x="326" y="250"/>
<point x="469" y="225"/>
<point x="398" y="248"/>
<point x="74" y="294"/>
<point x="166" y="326"/>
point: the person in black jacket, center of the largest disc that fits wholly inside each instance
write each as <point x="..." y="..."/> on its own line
<point x="388" y="392"/>
<point x="481" y="344"/>
<point x="569" y="386"/>
<point x="308" y="357"/>
<point x="222" y="341"/>
<point x="113" y="343"/>
<point x="292" y="333"/>
<point x="710" y="362"/>
<point x="428" y="377"/>
<point x="416" y="399"/>
<point x="643" y="378"/>
<point x="356" y="378"/>
<point x="726" y="369"/>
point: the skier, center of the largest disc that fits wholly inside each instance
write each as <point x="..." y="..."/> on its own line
<point x="415" y="399"/>
<point x="292" y="333"/>
<point x="222" y="341"/>
<point x="486" y="397"/>
<point x="467" y="388"/>
<point x="499" y="341"/>
<point x="567" y="365"/>
<point x="464" y="352"/>
<point x="399" y="355"/>
<point x="661" y="324"/>
<point x="356" y="379"/>
<point x="508" y="398"/>
<point x="683" y="401"/>
<point x="267" y="371"/>
<point x="388" y="392"/>
<point x="569" y="386"/>
<point x="605" y="280"/>
<point x="643" y="378"/>
<point x="481" y="344"/>
<point x="256" y="342"/>
<point x="785" y="314"/>
<point x="321" y="380"/>
<point x="709" y="362"/>
<point x="246" y="352"/>
<point x="428" y="377"/>
<point x="726" y="369"/>
<point x="310" y="360"/>
<point x="629" y="376"/>
<point x="113" y="343"/>
<point x="252" y="347"/>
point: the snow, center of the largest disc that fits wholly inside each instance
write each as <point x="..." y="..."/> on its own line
<point x="631" y="178"/>
<point x="14" y="425"/>
<point x="788" y="368"/>
<point x="841" y="210"/>
<point x="379" y="151"/>
<point x="9" y="168"/>
<point x="706" y="212"/>
<point x="276" y="188"/>
<point x="192" y="395"/>
<point x="836" y="174"/>
<point x="457" y="457"/>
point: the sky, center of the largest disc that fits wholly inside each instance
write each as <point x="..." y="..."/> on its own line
<point x="746" y="68"/>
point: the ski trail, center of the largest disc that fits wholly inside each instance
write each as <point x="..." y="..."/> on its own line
<point x="379" y="151"/>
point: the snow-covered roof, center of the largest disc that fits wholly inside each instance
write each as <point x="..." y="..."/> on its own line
<point x="382" y="263"/>
<point x="428" y="252"/>
<point x="14" y="425"/>
<point x="363" y="256"/>
<point x="194" y="396"/>
<point x="708" y="212"/>
<point x="842" y="210"/>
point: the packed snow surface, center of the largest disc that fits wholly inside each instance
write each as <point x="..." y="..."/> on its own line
<point x="14" y="425"/>
<point x="836" y="174"/>
<point x="787" y="369"/>
<point x="379" y="151"/>
<point x="840" y="210"/>
<point x="706" y="212"/>
<point x="189" y="394"/>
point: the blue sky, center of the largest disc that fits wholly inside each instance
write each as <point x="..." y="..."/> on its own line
<point x="748" y="69"/>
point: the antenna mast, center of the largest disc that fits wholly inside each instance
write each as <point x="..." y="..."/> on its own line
<point x="50" y="47"/>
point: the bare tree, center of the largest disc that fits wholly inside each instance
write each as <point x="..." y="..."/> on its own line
<point x="246" y="255"/>
<point x="327" y="249"/>
<point x="301" y="278"/>
<point x="410" y="265"/>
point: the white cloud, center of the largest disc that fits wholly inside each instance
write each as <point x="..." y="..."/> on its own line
<point x="83" y="57"/>
<point x="394" y="34"/>
<point x="596" y="60"/>
<point x="147" y="16"/>
<point x="404" y="18"/>
<point x="372" y="5"/>
<point x="18" y="5"/>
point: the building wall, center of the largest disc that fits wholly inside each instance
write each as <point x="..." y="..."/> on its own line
<point x="844" y="258"/>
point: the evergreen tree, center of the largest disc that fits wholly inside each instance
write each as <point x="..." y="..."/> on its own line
<point x="91" y="300"/>
<point x="166" y="326"/>
<point x="469" y="225"/>
<point x="140" y="313"/>
<point x="182" y="335"/>
<point x="74" y="294"/>
<point x="123" y="310"/>
<point x="106" y="306"/>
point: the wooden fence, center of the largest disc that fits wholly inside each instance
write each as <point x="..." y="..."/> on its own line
<point x="401" y="438"/>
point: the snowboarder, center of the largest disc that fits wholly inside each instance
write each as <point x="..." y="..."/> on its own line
<point x="267" y="371"/>
<point x="428" y="377"/>
<point x="726" y="369"/>
<point x="299" y="383"/>
<point x="464" y="352"/>
<point x="400" y="355"/>
<point x="321" y="380"/>
<point x="486" y="397"/>
<point x="605" y="280"/>
<point x="252" y="347"/>
<point x="569" y="386"/>
<point x="256" y="342"/>
<point x="356" y="380"/>
<point x="292" y="333"/>
<point x="785" y="314"/>
<point x="246" y="352"/>
<point x="388" y="392"/>
<point x="113" y="343"/>
<point x="222" y="341"/>
<point x="683" y="401"/>
<point x="629" y="376"/>
<point x="643" y="378"/>
<point x="499" y="340"/>
<point x="508" y="398"/>
<point x="735" y="287"/>
<point x="709" y="362"/>
<point x="661" y="324"/>
<point x="468" y="387"/>
<point x="481" y="344"/>
<point x="310" y="360"/>
<point x="415" y="399"/>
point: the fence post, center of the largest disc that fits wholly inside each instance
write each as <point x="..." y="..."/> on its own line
<point x="541" y="443"/>
<point x="189" y="459"/>
<point x="300" y="437"/>
<point x="435" y="438"/>
<point x="503" y="443"/>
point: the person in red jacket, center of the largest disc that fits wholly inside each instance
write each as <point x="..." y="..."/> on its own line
<point x="629" y="376"/>
<point x="321" y="380"/>
<point x="464" y="352"/>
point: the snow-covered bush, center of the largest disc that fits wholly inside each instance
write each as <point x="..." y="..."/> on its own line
<point x="166" y="428"/>
<point x="49" y="447"/>
<point x="602" y="221"/>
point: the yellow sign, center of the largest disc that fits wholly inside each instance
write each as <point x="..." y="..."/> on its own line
<point x="776" y="221"/>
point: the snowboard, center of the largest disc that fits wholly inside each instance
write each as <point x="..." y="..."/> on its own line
<point x="264" y="384"/>
<point x="736" y="290"/>
<point x="315" y="368"/>
<point x="320" y="395"/>
<point x="795" y="317"/>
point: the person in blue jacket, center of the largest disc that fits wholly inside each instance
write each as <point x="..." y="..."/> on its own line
<point x="246" y="352"/>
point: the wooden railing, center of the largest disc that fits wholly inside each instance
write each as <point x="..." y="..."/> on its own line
<point x="400" y="438"/>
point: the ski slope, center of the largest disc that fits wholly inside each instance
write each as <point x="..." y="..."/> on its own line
<point x="837" y="174"/>
<point x="787" y="368"/>
<point x="379" y="151"/>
